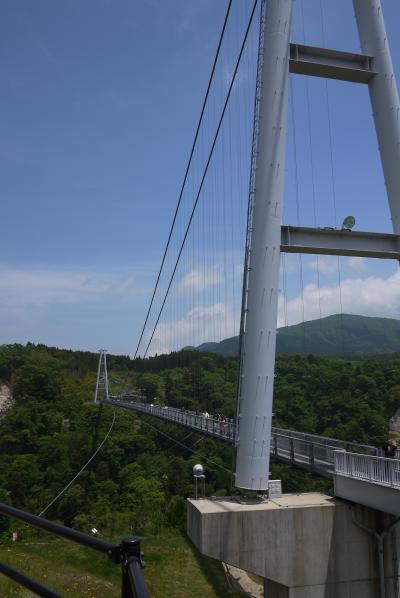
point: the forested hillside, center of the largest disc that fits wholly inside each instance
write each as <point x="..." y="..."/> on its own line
<point x="141" y="477"/>
<point x="136" y="484"/>
<point x="53" y="425"/>
<point x="341" y="335"/>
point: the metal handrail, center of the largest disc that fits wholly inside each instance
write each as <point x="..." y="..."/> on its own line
<point x="311" y="452"/>
<point x="226" y="430"/>
<point x="128" y="554"/>
<point x="333" y="442"/>
<point x="373" y="469"/>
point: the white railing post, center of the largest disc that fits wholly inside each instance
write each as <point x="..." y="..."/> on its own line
<point x="391" y="472"/>
<point x="339" y="456"/>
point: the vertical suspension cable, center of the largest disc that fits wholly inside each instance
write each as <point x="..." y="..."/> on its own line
<point x="224" y="232"/>
<point x="332" y="179"/>
<point x="232" y="331"/>
<point x="312" y="165"/>
<point x="296" y="171"/>
<point x="284" y="284"/>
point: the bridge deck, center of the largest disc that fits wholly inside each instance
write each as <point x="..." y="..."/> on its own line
<point x="359" y="473"/>
<point x="307" y="451"/>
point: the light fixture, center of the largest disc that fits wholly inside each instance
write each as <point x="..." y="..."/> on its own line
<point x="198" y="474"/>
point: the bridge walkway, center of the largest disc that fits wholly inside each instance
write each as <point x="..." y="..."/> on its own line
<point x="307" y="451"/>
<point x="359" y="471"/>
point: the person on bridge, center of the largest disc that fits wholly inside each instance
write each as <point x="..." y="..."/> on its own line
<point x="390" y="449"/>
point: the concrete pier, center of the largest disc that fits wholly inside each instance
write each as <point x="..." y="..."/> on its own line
<point x="303" y="545"/>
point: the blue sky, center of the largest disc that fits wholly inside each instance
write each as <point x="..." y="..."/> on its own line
<point x="97" y="114"/>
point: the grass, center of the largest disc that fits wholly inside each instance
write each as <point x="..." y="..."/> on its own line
<point x="173" y="568"/>
<point x="256" y="578"/>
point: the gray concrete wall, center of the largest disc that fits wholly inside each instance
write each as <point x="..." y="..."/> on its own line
<point x="373" y="495"/>
<point x="271" y="588"/>
<point x="306" y="546"/>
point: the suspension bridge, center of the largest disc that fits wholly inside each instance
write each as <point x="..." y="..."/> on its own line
<point x="304" y="546"/>
<point x="361" y="475"/>
<point x="327" y="457"/>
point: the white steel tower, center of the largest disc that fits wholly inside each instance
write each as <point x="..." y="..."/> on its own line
<point x="262" y="276"/>
<point x="266" y="238"/>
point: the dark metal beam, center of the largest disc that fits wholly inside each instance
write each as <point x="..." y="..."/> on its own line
<point x="331" y="64"/>
<point x="332" y="241"/>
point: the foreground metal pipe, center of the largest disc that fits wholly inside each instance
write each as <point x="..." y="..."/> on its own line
<point x="27" y="582"/>
<point x="128" y="554"/>
<point x="68" y="533"/>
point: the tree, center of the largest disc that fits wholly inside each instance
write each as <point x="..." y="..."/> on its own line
<point x="151" y="385"/>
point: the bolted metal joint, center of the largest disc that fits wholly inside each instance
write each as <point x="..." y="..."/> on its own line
<point x="130" y="551"/>
<point x="115" y="554"/>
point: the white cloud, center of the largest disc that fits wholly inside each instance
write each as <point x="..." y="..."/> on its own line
<point x="189" y="16"/>
<point x="198" y="280"/>
<point x="327" y="266"/>
<point x="200" y="324"/>
<point x="357" y="264"/>
<point x="369" y="296"/>
<point x="39" y="288"/>
<point x="241" y="76"/>
<point x="81" y="308"/>
<point x="290" y="263"/>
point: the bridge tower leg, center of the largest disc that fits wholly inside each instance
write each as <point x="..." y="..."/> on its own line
<point x="384" y="97"/>
<point x="102" y="388"/>
<point x="260" y="297"/>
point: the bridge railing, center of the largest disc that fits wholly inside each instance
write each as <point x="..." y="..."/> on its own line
<point x="355" y="447"/>
<point x="309" y="451"/>
<point x="379" y="470"/>
<point x="223" y="429"/>
<point x="306" y="454"/>
<point x="127" y="554"/>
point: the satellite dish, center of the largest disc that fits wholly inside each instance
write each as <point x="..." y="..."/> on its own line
<point x="349" y="222"/>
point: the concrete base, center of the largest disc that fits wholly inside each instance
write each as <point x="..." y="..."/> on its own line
<point x="304" y="545"/>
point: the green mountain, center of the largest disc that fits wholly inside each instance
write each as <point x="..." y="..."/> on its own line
<point x="340" y="335"/>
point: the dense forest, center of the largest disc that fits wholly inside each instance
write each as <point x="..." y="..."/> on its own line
<point x="141" y="477"/>
<point x="139" y="480"/>
<point x="350" y="400"/>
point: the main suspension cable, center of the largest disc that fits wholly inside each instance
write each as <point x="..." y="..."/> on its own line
<point x="204" y="174"/>
<point x="183" y="445"/>
<point x="80" y="471"/>
<point x="186" y="173"/>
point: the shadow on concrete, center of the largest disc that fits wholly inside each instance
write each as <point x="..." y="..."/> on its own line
<point x="213" y="572"/>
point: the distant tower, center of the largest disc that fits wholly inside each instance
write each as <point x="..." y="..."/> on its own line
<point x="102" y="388"/>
